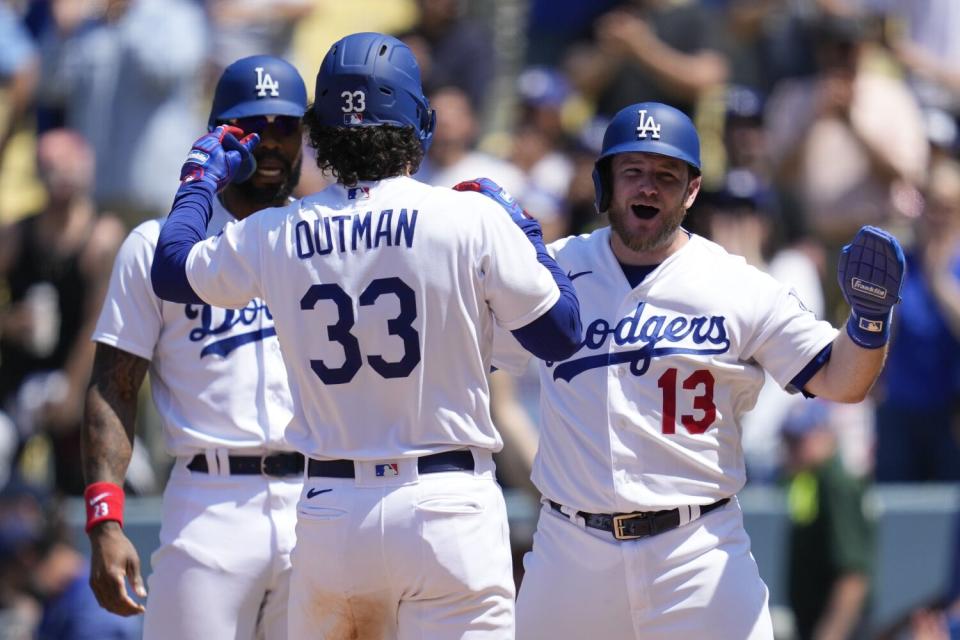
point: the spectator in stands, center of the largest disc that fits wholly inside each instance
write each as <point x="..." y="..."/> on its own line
<point x="916" y="423"/>
<point x="845" y="138"/>
<point x="831" y="547"/>
<point x="540" y="148"/>
<point x="242" y="28"/>
<point x="40" y="563"/>
<point x="661" y="50"/>
<point x="453" y="156"/>
<point x="19" y="68"/>
<point x="922" y="36"/>
<point x="56" y="265"/>
<point x="452" y="50"/>
<point x="19" y="610"/>
<point x="128" y="79"/>
<point x="553" y="26"/>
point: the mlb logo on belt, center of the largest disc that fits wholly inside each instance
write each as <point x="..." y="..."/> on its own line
<point x="353" y="118"/>
<point x="387" y="470"/>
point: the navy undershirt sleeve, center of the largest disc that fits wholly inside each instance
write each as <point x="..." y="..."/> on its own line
<point x="555" y="335"/>
<point x="801" y="379"/>
<point x="185" y="226"/>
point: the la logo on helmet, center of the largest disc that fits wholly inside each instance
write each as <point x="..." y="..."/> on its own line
<point x="266" y="83"/>
<point x="647" y="125"/>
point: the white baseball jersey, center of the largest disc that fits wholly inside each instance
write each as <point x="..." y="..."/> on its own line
<point x="385" y="296"/>
<point x="647" y="414"/>
<point x="216" y="374"/>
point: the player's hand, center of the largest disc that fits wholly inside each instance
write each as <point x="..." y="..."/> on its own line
<point x="114" y="561"/>
<point x="870" y="273"/>
<point x="219" y="158"/>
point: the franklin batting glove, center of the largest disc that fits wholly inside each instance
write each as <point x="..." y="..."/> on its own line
<point x="870" y="275"/>
<point x="218" y="158"/>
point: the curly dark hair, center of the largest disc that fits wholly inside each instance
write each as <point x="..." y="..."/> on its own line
<point x="363" y="153"/>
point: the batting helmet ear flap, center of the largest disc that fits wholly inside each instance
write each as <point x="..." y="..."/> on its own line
<point x="427" y="126"/>
<point x="602" y="184"/>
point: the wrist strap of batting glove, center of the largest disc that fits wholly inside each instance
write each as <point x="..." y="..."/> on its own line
<point x="869" y="332"/>
<point x="104" y="501"/>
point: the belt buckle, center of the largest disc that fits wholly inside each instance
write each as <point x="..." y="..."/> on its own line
<point x="619" y="526"/>
<point x="265" y="464"/>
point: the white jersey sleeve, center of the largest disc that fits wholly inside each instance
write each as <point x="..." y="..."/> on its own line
<point x="131" y="317"/>
<point x="224" y="270"/>
<point x="508" y="353"/>
<point x="506" y="256"/>
<point x="787" y="328"/>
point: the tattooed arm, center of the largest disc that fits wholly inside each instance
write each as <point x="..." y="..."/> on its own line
<point x="108" y="429"/>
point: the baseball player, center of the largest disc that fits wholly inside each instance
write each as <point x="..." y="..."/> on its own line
<point x="385" y="292"/>
<point x="640" y="535"/>
<point x="223" y="566"/>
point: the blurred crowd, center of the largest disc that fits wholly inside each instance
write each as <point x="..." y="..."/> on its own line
<point x="817" y="117"/>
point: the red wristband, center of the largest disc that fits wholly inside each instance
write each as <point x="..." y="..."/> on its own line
<point x="104" y="501"/>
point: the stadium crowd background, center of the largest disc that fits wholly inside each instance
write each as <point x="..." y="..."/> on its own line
<point x="817" y="116"/>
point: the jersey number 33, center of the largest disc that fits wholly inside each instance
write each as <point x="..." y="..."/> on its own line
<point x="400" y="326"/>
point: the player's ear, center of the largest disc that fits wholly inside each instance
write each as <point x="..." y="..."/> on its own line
<point x="693" y="188"/>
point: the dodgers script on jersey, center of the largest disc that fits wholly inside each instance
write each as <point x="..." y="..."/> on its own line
<point x="371" y="287"/>
<point x="216" y="374"/>
<point x="664" y="385"/>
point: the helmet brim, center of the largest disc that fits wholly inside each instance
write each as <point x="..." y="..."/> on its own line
<point x="652" y="146"/>
<point x="265" y="108"/>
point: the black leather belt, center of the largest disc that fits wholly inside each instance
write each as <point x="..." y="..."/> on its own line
<point x="630" y="526"/>
<point x="277" y="465"/>
<point x="457" y="460"/>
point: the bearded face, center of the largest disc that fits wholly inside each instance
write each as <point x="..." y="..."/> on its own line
<point x="272" y="192"/>
<point x="279" y="159"/>
<point x="651" y="195"/>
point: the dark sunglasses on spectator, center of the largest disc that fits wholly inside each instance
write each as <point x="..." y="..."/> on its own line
<point x="285" y="125"/>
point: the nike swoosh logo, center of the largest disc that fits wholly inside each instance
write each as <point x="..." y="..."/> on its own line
<point x="312" y="493"/>
<point x="573" y="276"/>
<point x="97" y="498"/>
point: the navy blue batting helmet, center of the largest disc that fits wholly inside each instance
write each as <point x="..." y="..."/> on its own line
<point x="258" y="86"/>
<point x="647" y="127"/>
<point x="370" y="79"/>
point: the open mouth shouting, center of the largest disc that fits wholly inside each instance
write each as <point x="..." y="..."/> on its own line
<point x="644" y="212"/>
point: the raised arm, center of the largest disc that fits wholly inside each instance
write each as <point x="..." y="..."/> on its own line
<point x="870" y="275"/>
<point x="107" y="444"/>
<point x="556" y="334"/>
<point x="215" y="160"/>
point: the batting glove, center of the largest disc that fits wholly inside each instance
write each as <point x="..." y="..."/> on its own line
<point x="498" y="194"/>
<point x="218" y="158"/>
<point x="871" y="274"/>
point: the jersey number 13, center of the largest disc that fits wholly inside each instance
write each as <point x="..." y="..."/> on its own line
<point x="701" y="383"/>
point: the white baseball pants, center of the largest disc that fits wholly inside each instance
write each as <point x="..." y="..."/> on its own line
<point x="405" y="556"/>
<point x="696" y="581"/>
<point x="223" y="566"/>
